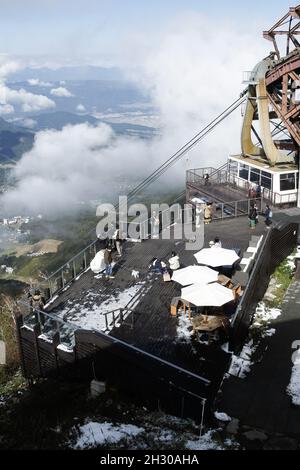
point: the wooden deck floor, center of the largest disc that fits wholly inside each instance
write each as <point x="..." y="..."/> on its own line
<point x="154" y="330"/>
<point x="220" y="192"/>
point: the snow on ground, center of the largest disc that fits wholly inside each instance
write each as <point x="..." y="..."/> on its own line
<point x="241" y="365"/>
<point x="269" y="332"/>
<point x="293" y="388"/>
<point x="205" y="442"/>
<point x="291" y="259"/>
<point x="92" y="316"/>
<point x="263" y="315"/>
<point x="95" y="434"/>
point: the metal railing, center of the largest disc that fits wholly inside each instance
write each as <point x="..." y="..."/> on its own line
<point x="51" y="325"/>
<point x="196" y="175"/>
<point x="71" y="270"/>
<point x="223" y="210"/>
<point x="216" y="176"/>
<point x="62" y="330"/>
<point x="249" y="76"/>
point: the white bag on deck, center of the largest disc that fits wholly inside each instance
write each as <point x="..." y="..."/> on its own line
<point x="97" y="264"/>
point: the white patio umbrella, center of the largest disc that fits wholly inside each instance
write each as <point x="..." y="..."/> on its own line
<point x="207" y="295"/>
<point x="194" y="275"/>
<point x="216" y="257"/>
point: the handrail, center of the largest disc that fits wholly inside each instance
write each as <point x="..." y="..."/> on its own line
<point x="240" y="208"/>
<point x="72" y="259"/>
<point x="260" y="250"/>
<point x="127" y="345"/>
<point x="83" y="253"/>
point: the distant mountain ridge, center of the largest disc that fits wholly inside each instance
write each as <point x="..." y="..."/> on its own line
<point x="59" y="119"/>
<point x="85" y="72"/>
<point x="14" y="141"/>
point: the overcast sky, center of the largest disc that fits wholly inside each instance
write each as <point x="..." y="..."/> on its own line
<point x="97" y="31"/>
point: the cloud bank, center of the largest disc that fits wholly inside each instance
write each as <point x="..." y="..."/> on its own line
<point x="29" y="102"/>
<point x="74" y="164"/>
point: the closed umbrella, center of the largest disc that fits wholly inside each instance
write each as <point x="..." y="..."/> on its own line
<point x="194" y="275"/>
<point x="216" y="257"/>
<point x="207" y="295"/>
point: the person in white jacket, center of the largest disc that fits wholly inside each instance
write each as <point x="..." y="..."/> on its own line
<point x="174" y="261"/>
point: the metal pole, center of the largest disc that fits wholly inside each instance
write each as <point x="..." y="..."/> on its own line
<point x="202" y="417"/>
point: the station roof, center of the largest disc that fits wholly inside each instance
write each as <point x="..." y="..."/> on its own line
<point x="262" y="164"/>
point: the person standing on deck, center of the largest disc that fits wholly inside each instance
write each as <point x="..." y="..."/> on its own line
<point x="256" y="208"/>
<point x="252" y="217"/>
<point x="206" y="179"/>
<point x="268" y="216"/>
<point x="119" y="242"/>
<point x="155" y="225"/>
<point x="37" y="303"/>
<point x="108" y="263"/>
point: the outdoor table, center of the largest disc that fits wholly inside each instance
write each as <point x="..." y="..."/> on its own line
<point x="225" y="281"/>
<point x="176" y="304"/>
<point x="209" y="323"/>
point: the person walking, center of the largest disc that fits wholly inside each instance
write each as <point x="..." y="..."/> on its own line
<point x="206" y="179"/>
<point x="268" y="216"/>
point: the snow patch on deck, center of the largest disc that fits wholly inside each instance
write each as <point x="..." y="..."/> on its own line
<point x="92" y="316"/>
